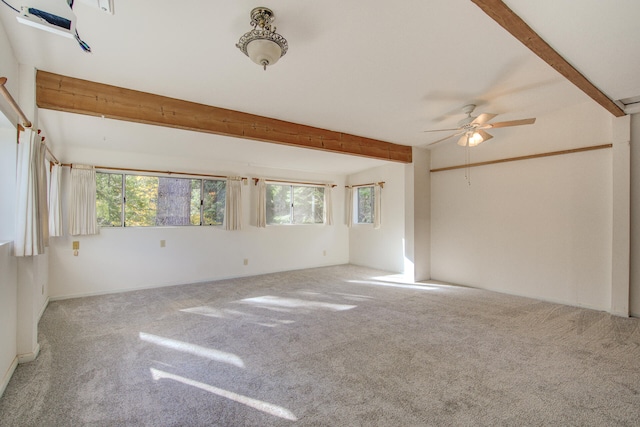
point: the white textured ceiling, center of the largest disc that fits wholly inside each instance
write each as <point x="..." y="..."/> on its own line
<point x="377" y="69"/>
<point x="601" y="39"/>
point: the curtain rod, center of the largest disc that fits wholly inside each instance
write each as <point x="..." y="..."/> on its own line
<point x="381" y="184"/>
<point x="319" y="184"/>
<point x="70" y="165"/>
<point x="25" y="122"/>
<point x="531" y="156"/>
<point x="55" y="159"/>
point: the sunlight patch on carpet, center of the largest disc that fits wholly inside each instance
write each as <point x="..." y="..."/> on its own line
<point x="279" y="302"/>
<point x="206" y="311"/>
<point x="265" y="407"/>
<point x="238" y="315"/>
<point x="420" y="287"/>
<point x="196" y="350"/>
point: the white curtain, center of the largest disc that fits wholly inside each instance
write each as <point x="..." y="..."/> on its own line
<point x="233" y="204"/>
<point x="349" y="209"/>
<point x="82" y="207"/>
<point x="328" y="205"/>
<point x="377" y="206"/>
<point x="41" y="164"/>
<point x="262" y="203"/>
<point x="31" y="197"/>
<point x="55" y="205"/>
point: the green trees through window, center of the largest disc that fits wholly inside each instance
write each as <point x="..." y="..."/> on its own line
<point x="109" y="199"/>
<point x="213" y="201"/>
<point x="295" y="204"/>
<point x="154" y="201"/>
<point x="364" y="204"/>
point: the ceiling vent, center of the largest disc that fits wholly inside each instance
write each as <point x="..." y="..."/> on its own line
<point x="103" y="5"/>
<point x="53" y="16"/>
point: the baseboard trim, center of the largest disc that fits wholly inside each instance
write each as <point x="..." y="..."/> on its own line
<point x="620" y="313"/>
<point x="29" y="357"/>
<point x="8" y="375"/>
<point x="44" y="307"/>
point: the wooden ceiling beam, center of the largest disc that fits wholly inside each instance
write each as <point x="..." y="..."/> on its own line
<point x="503" y="15"/>
<point x="68" y="94"/>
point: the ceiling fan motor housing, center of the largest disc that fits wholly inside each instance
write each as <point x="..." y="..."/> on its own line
<point x="466" y="122"/>
<point x="468" y="109"/>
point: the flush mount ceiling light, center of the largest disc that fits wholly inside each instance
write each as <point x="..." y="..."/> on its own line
<point x="262" y="44"/>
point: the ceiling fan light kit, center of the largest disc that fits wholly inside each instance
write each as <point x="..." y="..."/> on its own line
<point x="262" y="44"/>
<point x="471" y="128"/>
<point x="472" y="139"/>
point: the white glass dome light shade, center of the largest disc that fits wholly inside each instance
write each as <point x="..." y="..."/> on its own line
<point x="475" y="139"/>
<point x="264" y="52"/>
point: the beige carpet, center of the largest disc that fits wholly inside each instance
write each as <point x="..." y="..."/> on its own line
<point x="336" y="346"/>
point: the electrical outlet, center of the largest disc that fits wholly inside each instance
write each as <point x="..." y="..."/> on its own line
<point x="163" y="243"/>
<point x="246" y="261"/>
<point x="324" y="253"/>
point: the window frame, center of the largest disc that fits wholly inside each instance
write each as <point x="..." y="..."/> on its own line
<point x="292" y="186"/>
<point x="123" y="198"/>
<point x="356" y="203"/>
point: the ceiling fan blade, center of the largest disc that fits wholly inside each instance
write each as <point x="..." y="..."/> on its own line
<point x="444" y="139"/>
<point x="510" y="123"/>
<point x="441" y="130"/>
<point x="483" y="118"/>
<point x="485" y="136"/>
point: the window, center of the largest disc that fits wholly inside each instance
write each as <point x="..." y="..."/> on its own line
<point x="109" y="199"/>
<point x="294" y="204"/>
<point x="213" y="200"/>
<point x="156" y="201"/>
<point x="364" y="201"/>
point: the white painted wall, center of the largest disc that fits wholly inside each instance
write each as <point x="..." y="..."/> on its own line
<point x="8" y="314"/>
<point x="32" y="271"/>
<point x="8" y="266"/>
<point x="621" y="215"/>
<point x="417" y="216"/>
<point x="382" y="248"/>
<point x="8" y="69"/>
<point x="8" y="149"/>
<point x="131" y="258"/>
<point x="635" y="217"/>
<point x="32" y="299"/>
<point x="540" y="228"/>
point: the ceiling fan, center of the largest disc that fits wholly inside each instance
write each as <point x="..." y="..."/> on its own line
<point x="472" y="128"/>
